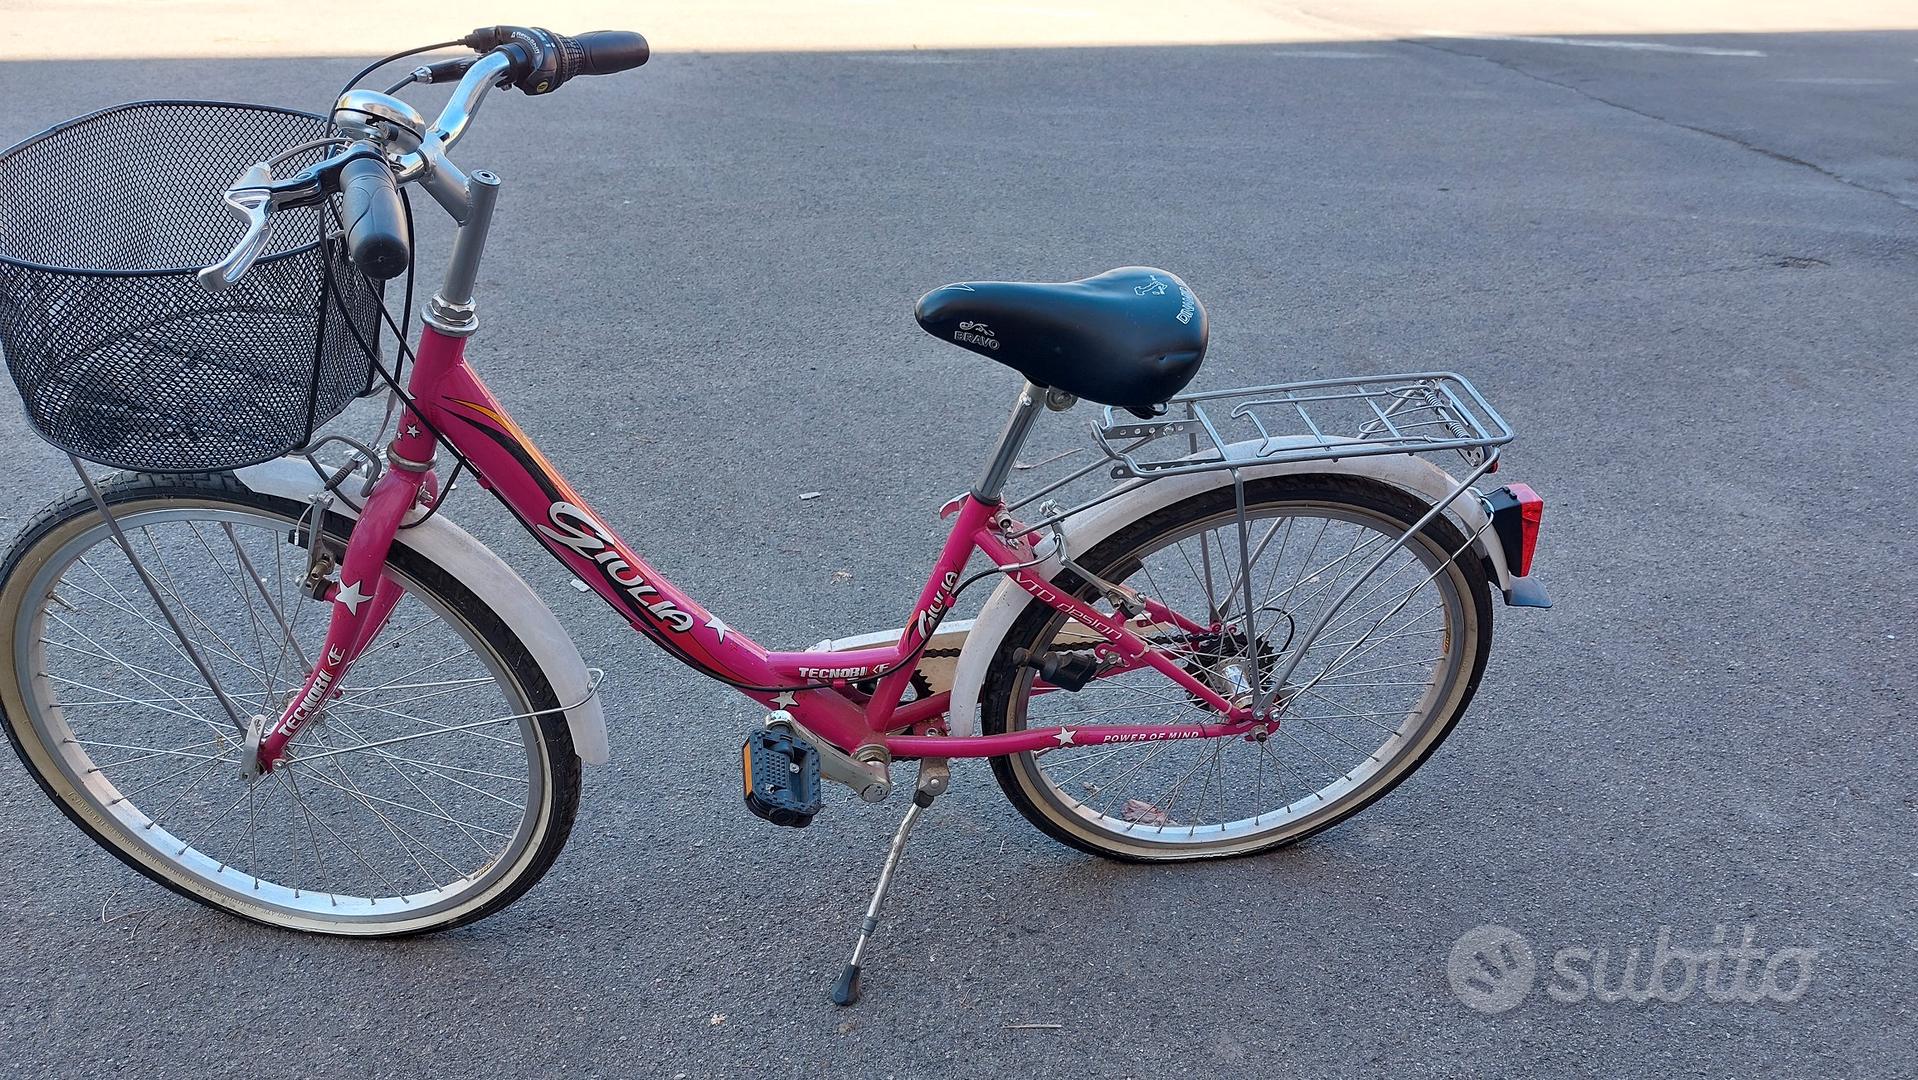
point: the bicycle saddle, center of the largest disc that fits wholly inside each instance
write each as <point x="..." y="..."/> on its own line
<point x="1131" y="337"/>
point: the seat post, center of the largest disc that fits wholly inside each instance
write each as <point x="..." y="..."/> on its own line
<point x="1018" y="426"/>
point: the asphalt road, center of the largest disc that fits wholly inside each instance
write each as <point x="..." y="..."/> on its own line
<point x="1687" y="278"/>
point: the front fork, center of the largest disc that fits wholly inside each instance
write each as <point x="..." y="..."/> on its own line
<point x="363" y="598"/>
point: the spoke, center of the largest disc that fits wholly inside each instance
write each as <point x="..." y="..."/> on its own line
<point x="1336" y="682"/>
<point x="292" y="786"/>
<point x="1266" y="753"/>
<point x="253" y="832"/>
<point x="1200" y="579"/>
<point x="465" y="828"/>
<point x="1238" y="577"/>
<point x="360" y="793"/>
<point x="468" y="685"/>
<point x="1397" y="602"/>
<point x="1165" y="802"/>
<point x="437" y="766"/>
<point x="448" y="658"/>
<point x="393" y="641"/>
<point x="399" y="834"/>
<point x="279" y="615"/>
<point x="434" y="769"/>
<point x="1395" y="635"/>
<point x="1355" y="652"/>
<point x="172" y="589"/>
<point x="293" y="630"/>
<point x="254" y="623"/>
<point x="1311" y="552"/>
<point x="1089" y="760"/>
<point x="165" y="632"/>
<point x="334" y="751"/>
<point x="1368" y="717"/>
<point x="103" y="654"/>
<point x="1342" y="563"/>
<point x="141" y="669"/>
<point x="1336" y="771"/>
<point x="134" y="701"/>
<point x="125" y="606"/>
<point x="221" y="816"/>
<point x="205" y="771"/>
<point x="417" y="686"/>
<point x="147" y="751"/>
<point x="513" y="744"/>
<point x="1258" y="797"/>
<point x="1157" y="749"/>
<point x="127" y="796"/>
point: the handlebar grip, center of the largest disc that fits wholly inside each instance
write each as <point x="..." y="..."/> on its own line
<point x="603" y="52"/>
<point x="376" y="234"/>
<point x="543" y="61"/>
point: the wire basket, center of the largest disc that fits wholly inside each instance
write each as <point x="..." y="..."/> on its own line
<point x="119" y="354"/>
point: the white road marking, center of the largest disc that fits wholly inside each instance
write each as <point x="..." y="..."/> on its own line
<point x="1600" y="43"/>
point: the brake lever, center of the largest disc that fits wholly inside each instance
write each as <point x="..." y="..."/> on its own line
<point x="250" y="199"/>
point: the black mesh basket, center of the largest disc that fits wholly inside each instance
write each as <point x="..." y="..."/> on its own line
<point x="121" y="357"/>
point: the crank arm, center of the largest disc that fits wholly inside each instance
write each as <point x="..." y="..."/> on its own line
<point x="871" y="778"/>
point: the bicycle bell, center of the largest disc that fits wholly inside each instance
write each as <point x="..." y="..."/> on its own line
<point x="382" y="118"/>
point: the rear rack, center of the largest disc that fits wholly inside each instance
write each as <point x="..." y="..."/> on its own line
<point x="1319" y="420"/>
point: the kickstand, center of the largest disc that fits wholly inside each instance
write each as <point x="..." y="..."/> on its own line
<point x="934" y="775"/>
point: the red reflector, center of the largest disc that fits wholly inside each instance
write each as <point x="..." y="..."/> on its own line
<point x="1531" y="514"/>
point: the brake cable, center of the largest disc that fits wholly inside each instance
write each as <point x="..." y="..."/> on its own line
<point x="378" y="64"/>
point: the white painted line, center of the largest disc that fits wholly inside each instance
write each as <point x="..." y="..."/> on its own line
<point x="1600" y="43"/>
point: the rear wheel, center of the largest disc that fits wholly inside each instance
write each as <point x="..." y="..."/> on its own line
<point x="1371" y="699"/>
<point x="435" y="789"/>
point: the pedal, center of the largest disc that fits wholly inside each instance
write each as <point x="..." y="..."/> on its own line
<point x="1067" y="671"/>
<point x="782" y="777"/>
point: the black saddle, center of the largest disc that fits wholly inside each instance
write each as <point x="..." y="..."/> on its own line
<point x="1131" y="337"/>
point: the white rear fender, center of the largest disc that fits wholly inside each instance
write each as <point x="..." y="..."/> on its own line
<point x="1084" y="531"/>
<point x="454" y="550"/>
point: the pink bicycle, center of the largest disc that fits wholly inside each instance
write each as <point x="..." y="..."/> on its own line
<point x="262" y="667"/>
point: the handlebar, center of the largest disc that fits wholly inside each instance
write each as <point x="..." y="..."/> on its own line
<point x="376" y="233"/>
<point x="395" y="146"/>
<point x="544" y="61"/>
<point x="608" y="52"/>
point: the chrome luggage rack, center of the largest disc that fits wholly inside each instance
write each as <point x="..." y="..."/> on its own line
<point x="1315" y="420"/>
<point x="1323" y="419"/>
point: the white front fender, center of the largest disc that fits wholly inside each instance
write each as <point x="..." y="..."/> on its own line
<point x="1084" y="531"/>
<point x="454" y="550"/>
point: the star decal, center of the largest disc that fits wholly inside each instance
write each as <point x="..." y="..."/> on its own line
<point x="412" y="431"/>
<point x="1065" y="737"/>
<point x="351" y="596"/>
<point x="716" y="626"/>
<point x="785" y="699"/>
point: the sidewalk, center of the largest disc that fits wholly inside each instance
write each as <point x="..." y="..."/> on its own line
<point x="44" y="29"/>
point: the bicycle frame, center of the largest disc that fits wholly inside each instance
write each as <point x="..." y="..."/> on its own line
<point x="817" y="687"/>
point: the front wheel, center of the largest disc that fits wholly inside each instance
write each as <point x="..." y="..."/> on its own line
<point x="1371" y="699"/>
<point x="434" y="789"/>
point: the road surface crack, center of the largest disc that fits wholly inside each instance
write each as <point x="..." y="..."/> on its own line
<point x="1744" y="144"/>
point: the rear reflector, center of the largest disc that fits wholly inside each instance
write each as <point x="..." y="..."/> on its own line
<point x="1517" y="512"/>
